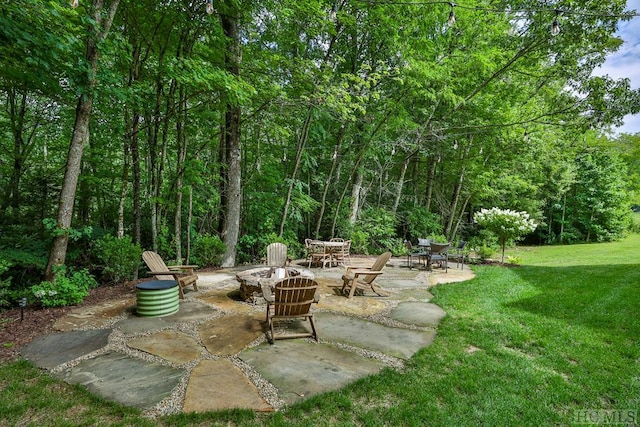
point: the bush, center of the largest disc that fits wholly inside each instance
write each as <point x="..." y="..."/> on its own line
<point x="421" y="223"/>
<point x="378" y="225"/>
<point x="5" y="285"/>
<point x="120" y="257"/>
<point x="69" y="288"/>
<point x="208" y="250"/>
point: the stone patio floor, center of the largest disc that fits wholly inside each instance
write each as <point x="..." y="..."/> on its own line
<point x="213" y="354"/>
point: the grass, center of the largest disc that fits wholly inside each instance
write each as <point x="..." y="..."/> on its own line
<point x="537" y="344"/>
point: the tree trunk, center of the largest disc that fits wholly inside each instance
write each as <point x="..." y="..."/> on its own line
<point x="431" y="175"/>
<point x="97" y="31"/>
<point x="400" y="185"/>
<point x="355" y="196"/>
<point x="181" y="137"/>
<point x="233" y="144"/>
<point x="302" y="141"/>
<point x="327" y="185"/>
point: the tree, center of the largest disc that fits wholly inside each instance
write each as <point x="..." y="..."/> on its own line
<point x="506" y="224"/>
<point x="97" y="31"/>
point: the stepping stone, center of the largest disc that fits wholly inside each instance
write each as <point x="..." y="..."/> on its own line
<point x="121" y="378"/>
<point x="94" y="316"/>
<point x="134" y="325"/>
<point x="417" y="294"/>
<point x="362" y="306"/>
<point x="398" y="283"/>
<point x="176" y="347"/>
<point x="300" y="368"/>
<point x="216" y="385"/>
<point x="228" y="335"/>
<point x="397" y="342"/>
<point x="191" y="311"/>
<point x="49" y="351"/>
<point x="418" y="313"/>
<point x="228" y="301"/>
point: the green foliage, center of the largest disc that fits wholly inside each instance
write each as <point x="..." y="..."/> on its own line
<point x="5" y="284"/>
<point x="378" y="227"/>
<point x="515" y="260"/>
<point x="119" y="257"/>
<point x="74" y="233"/>
<point x="207" y="250"/>
<point x="421" y="223"/>
<point x="505" y="223"/>
<point x="70" y="288"/>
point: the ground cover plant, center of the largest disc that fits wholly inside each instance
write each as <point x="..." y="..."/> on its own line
<point x="550" y="342"/>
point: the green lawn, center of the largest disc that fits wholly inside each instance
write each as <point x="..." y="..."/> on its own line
<point x="552" y="342"/>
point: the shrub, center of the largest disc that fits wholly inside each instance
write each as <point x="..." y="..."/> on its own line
<point x="378" y="225"/>
<point x="208" y="250"/>
<point x="421" y="223"/>
<point x="69" y="288"/>
<point x="5" y="285"/>
<point x="506" y="224"/>
<point x="120" y="257"/>
<point x="515" y="260"/>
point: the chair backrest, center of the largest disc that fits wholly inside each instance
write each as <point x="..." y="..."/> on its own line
<point x="439" y="248"/>
<point x="277" y="255"/>
<point x="337" y="239"/>
<point x="155" y="263"/>
<point x="461" y="245"/>
<point x="378" y="265"/>
<point x="346" y="247"/>
<point x="293" y="296"/>
<point x="424" y="242"/>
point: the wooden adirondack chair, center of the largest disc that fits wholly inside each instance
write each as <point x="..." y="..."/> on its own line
<point x="363" y="277"/>
<point x="291" y="298"/>
<point x="183" y="274"/>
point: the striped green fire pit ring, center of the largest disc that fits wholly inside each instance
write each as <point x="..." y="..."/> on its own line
<point x="157" y="298"/>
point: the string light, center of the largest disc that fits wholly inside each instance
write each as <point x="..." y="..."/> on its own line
<point x="555" y="27"/>
<point x="452" y="16"/>
<point x="209" y="7"/>
<point x="333" y="15"/>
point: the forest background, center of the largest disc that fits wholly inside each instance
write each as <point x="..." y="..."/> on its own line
<point x="206" y="130"/>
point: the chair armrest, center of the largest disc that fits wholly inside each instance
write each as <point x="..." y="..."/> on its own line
<point x="364" y="271"/>
<point x="183" y="267"/>
<point x="168" y="273"/>
<point x="267" y="293"/>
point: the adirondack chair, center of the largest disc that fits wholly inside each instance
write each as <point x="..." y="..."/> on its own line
<point x="363" y="277"/>
<point x="291" y="298"/>
<point x="183" y="274"/>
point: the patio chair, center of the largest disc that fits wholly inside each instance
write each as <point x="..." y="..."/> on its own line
<point x="458" y="253"/>
<point x="412" y="252"/>
<point x="317" y="253"/>
<point x="277" y="255"/>
<point x="439" y="253"/>
<point x="363" y="277"/>
<point x="343" y="255"/>
<point x="291" y="298"/>
<point x="183" y="274"/>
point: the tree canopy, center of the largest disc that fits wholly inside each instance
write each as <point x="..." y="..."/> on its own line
<point x="280" y="120"/>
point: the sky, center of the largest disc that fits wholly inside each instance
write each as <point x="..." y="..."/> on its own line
<point x="626" y="62"/>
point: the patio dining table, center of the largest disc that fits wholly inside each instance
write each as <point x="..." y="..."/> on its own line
<point x="330" y="249"/>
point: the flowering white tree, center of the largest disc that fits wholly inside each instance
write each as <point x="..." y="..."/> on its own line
<point x="505" y="223"/>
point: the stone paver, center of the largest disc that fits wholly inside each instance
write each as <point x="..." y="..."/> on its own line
<point x="418" y="313"/>
<point x="215" y="385"/>
<point x="49" y="351"/>
<point x="124" y="379"/>
<point x="397" y="342"/>
<point x="228" y="335"/>
<point x="300" y="368"/>
<point x="176" y="347"/>
<point x="225" y="327"/>
<point x="95" y="316"/>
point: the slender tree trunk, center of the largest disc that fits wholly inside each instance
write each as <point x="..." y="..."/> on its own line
<point x="400" y="185"/>
<point x="431" y="176"/>
<point x="302" y="141"/>
<point x="355" y="196"/>
<point x="98" y="31"/>
<point x="182" y="155"/>
<point x="189" y="222"/>
<point x="328" y="182"/>
<point x="233" y="145"/>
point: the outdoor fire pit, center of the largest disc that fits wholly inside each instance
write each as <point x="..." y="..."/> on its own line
<point x="251" y="281"/>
